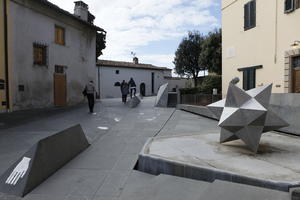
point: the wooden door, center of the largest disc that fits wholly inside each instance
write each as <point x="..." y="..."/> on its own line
<point x="60" y="90"/>
<point x="296" y="80"/>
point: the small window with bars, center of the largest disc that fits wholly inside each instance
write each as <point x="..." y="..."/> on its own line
<point x="39" y="54"/>
<point x="250" y="15"/>
<point x="59" y="69"/>
<point x="59" y="35"/>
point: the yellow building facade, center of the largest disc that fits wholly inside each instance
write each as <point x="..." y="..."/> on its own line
<point x="260" y="44"/>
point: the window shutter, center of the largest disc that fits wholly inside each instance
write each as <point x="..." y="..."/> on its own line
<point x="253" y="13"/>
<point x="297" y="4"/>
<point x="245" y="79"/>
<point x="246" y="16"/>
<point x="288" y="6"/>
<point x="251" y="78"/>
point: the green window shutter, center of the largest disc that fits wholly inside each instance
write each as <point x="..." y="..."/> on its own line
<point x="252" y="78"/>
<point x="246" y="16"/>
<point x="288" y="6"/>
<point x="253" y="13"/>
<point x="245" y="79"/>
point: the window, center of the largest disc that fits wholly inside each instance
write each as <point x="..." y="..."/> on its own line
<point x="296" y="61"/>
<point x="117" y="84"/>
<point x="2" y="84"/>
<point x="21" y="88"/>
<point x="59" y="69"/>
<point x="39" y="54"/>
<point x="249" y="78"/>
<point x="297" y="4"/>
<point x="117" y="71"/>
<point x="250" y="15"/>
<point x="288" y="6"/>
<point x="59" y="35"/>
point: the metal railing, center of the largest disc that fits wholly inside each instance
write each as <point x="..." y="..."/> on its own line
<point x="199" y="99"/>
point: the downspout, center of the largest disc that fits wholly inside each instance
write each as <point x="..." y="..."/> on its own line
<point x="98" y="81"/>
<point x="6" y="56"/>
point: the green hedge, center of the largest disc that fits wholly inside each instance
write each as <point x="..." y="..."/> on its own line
<point x="206" y="87"/>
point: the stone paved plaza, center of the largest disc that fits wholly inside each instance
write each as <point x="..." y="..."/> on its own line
<point x="117" y="134"/>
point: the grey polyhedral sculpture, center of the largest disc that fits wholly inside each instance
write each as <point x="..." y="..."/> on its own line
<point x="246" y="115"/>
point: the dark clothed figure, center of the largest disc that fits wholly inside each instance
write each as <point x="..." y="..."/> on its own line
<point x="90" y="93"/>
<point x="132" y="87"/>
<point x="124" y="90"/>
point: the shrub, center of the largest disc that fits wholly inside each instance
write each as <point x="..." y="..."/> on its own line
<point x="206" y="87"/>
<point x="210" y="82"/>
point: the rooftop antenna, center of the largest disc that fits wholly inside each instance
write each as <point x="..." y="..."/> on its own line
<point x="133" y="54"/>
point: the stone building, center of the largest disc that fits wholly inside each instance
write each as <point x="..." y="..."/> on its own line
<point x="147" y="77"/>
<point x="260" y="42"/>
<point x="52" y="54"/>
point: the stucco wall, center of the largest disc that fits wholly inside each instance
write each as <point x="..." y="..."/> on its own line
<point x="2" y="61"/>
<point x="178" y="82"/>
<point x="108" y="78"/>
<point x="264" y="44"/>
<point x="36" y="24"/>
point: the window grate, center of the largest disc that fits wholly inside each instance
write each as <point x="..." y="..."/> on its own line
<point x="39" y="54"/>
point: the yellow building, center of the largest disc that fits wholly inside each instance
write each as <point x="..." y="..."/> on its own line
<point x="260" y="42"/>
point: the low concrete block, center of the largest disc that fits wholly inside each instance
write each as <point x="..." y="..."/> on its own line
<point x="134" y="102"/>
<point x="172" y="99"/>
<point x="199" y="110"/>
<point x="162" y="96"/>
<point x="287" y="106"/>
<point x="295" y="194"/>
<point x="42" y="160"/>
<point x="208" y="161"/>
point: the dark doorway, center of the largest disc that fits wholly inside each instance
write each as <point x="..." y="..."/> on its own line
<point x="249" y="78"/>
<point x="152" y="82"/>
<point x="143" y="89"/>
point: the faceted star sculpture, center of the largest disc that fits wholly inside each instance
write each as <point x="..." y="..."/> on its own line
<point x="246" y="115"/>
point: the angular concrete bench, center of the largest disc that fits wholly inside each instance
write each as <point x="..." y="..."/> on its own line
<point x="42" y="160"/>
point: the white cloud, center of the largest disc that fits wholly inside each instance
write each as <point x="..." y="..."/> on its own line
<point x="134" y="23"/>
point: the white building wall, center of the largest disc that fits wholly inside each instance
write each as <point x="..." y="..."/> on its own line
<point x="108" y="78"/>
<point x="178" y="83"/>
<point x="78" y="55"/>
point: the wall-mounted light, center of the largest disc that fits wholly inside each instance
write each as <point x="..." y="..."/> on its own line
<point x="296" y="44"/>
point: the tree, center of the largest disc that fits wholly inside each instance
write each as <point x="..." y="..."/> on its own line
<point x="100" y="43"/>
<point x="187" y="56"/>
<point x="211" y="55"/>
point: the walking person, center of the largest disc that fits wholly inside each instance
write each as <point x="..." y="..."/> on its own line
<point x="124" y="90"/>
<point x="132" y="87"/>
<point x="89" y="92"/>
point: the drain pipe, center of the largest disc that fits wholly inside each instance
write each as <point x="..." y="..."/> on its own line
<point x="6" y="56"/>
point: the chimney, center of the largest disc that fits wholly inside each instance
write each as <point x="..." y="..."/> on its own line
<point x="81" y="10"/>
<point x="135" y="60"/>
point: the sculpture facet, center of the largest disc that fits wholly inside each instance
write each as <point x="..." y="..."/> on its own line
<point x="246" y="115"/>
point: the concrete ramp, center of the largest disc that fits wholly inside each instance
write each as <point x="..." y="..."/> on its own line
<point x="42" y="160"/>
<point x="162" y="96"/>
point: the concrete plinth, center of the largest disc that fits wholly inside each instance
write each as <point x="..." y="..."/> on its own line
<point x="134" y="102"/>
<point x="162" y="96"/>
<point x="202" y="157"/>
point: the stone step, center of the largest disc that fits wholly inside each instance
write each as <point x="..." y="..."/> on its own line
<point x="162" y="187"/>
<point x="228" y="191"/>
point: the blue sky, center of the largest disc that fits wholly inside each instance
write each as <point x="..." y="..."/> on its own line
<point x="152" y="29"/>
